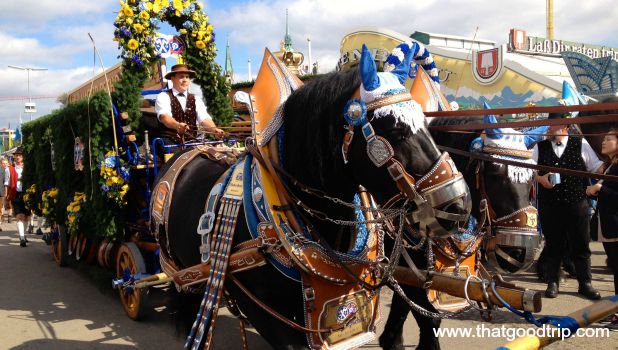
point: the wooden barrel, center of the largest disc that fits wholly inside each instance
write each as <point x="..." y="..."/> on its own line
<point x="73" y="243"/>
<point x="101" y="253"/>
<point x="110" y="254"/>
<point x="81" y="247"/>
<point x="91" y="254"/>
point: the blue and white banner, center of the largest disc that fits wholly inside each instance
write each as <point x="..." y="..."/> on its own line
<point x="168" y="46"/>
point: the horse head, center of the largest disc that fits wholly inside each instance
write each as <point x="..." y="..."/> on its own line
<point x="396" y="158"/>
<point x="507" y="191"/>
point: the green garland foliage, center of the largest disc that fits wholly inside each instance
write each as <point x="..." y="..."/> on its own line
<point x="91" y="121"/>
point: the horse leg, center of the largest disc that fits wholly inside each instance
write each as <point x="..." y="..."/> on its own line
<point x="392" y="337"/>
<point x="426" y="325"/>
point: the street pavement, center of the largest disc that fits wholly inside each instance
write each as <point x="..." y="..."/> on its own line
<point x="43" y="306"/>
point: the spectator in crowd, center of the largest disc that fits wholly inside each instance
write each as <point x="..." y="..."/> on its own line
<point x="607" y="206"/>
<point x="19" y="206"/>
<point x="563" y="206"/>
<point x="3" y="167"/>
<point x="9" y="191"/>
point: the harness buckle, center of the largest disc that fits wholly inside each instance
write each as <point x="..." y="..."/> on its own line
<point x="309" y="294"/>
<point x="270" y="245"/>
<point x="483" y="205"/>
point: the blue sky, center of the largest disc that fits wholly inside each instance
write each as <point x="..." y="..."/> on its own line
<point x="53" y="34"/>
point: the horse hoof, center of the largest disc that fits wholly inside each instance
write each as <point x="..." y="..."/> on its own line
<point x="391" y="344"/>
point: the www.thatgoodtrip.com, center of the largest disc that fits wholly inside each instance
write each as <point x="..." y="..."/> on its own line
<point x="512" y="333"/>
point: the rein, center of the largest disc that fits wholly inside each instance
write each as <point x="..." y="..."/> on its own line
<point x="578" y="173"/>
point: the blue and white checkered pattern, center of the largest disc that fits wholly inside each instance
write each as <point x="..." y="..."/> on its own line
<point x="421" y="55"/>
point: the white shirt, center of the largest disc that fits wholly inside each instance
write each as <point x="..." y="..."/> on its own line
<point x="588" y="155"/>
<point x="163" y="105"/>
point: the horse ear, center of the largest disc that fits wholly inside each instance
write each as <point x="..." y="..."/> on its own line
<point x="403" y="69"/>
<point x="368" y="71"/>
<point x="536" y="136"/>
<point x="492" y="133"/>
<point x="570" y="97"/>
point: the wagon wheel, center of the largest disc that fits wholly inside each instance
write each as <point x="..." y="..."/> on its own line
<point x="60" y="246"/>
<point x="133" y="301"/>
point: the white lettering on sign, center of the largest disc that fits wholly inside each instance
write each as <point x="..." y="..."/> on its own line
<point x="555" y="47"/>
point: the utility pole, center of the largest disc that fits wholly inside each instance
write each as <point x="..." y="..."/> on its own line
<point x="30" y="107"/>
<point x="249" y="69"/>
<point x="550" y="19"/>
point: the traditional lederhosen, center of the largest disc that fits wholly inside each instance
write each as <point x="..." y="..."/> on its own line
<point x="188" y="116"/>
<point x="564" y="212"/>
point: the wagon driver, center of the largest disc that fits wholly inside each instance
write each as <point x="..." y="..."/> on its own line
<point x="178" y="110"/>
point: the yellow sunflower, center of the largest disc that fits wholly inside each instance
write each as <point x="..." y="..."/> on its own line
<point x="132" y="44"/>
<point x="127" y="11"/>
<point x="144" y="15"/>
<point x="138" y="27"/>
<point x="200" y="44"/>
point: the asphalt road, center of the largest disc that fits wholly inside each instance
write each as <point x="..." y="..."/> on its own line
<point x="43" y="306"/>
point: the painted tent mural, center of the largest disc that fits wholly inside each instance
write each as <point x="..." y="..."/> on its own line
<point x="511" y="82"/>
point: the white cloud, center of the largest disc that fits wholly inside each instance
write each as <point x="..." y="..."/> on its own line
<point x="49" y="84"/>
<point x="36" y="14"/>
<point x="30" y="51"/>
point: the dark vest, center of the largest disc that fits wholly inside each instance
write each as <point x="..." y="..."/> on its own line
<point x="188" y="116"/>
<point x="571" y="189"/>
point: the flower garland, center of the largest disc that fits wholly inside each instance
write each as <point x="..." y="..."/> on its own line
<point x="114" y="177"/>
<point x="137" y="21"/>
<point x="74" y="212"/>
<point x="29" y="198"/>
<point x="48" y="204"/>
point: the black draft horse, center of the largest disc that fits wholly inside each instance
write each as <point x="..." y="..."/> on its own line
<point x="312" y="136"/>
<point x="505" y="195"/>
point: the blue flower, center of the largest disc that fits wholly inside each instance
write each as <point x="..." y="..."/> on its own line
<point x="125" y="31"/>
<point x="137" y="60"/>
<point x="142" y="6"/>
<point x="110" y="161"/>
<point x="124" y="173"/>
<point x="105" y="188"/>
<point x="188" y="24"/>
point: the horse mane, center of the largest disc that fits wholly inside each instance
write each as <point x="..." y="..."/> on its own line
<point x="313" y="128"/>
<point x="456" y="140"/>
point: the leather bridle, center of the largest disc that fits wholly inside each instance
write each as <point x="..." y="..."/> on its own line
<point x="441" y="186"/>
<point x="517" y="229"/>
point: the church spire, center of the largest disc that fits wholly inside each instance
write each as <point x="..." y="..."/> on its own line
<point x="229" y="71"/>
<point x="287" y="40"/>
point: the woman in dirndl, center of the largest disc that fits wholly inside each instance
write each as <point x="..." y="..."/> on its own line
<point x="607" y="206"/>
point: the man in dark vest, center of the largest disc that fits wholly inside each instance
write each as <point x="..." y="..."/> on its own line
<point x="178" y="110"/>
<point x="563" y="206"/>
